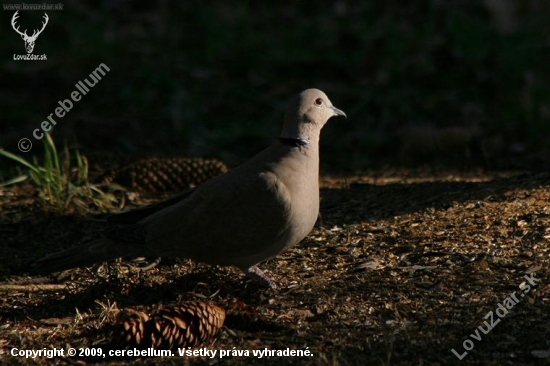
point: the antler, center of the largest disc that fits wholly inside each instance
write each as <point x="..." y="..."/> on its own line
<point x="15" y="16"/>
<point x="43" y="26"/>
<point x="24" y="34"/>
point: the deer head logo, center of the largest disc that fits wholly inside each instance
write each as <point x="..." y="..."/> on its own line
<point x="29" y="40"/>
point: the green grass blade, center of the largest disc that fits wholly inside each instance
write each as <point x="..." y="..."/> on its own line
<point x="15" y="180"/>
<point x="19" y="159"/>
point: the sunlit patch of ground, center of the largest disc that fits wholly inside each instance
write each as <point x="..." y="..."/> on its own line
<point x="404" y="268"/>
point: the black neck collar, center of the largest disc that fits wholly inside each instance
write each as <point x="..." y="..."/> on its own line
<point x="292" y="142"/>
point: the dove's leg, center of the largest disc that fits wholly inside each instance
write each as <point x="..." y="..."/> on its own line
<point x="260" y="277"/>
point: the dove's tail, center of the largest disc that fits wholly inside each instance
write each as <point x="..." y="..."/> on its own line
<point x="100" y="250"/>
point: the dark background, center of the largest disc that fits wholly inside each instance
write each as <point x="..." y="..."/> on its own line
<point x="450" y="83"/>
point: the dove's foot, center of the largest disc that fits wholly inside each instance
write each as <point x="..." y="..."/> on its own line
<point x="258" y="276"/>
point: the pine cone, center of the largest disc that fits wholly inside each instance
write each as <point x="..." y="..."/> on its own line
<point x="189" y="324"/>
<point x="155" y="175"/>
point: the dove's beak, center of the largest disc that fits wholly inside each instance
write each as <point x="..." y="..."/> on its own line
<point x="338" y="112"/>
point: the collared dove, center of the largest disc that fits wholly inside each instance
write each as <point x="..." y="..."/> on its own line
<point x="240" y="218"/>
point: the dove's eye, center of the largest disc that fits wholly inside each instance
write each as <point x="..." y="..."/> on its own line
<point x="318" y="101"/>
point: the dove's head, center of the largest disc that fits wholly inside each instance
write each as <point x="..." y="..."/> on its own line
<point x="307" y="113"/>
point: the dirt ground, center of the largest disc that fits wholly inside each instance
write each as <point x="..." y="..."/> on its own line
<point x="402" y="269"/>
